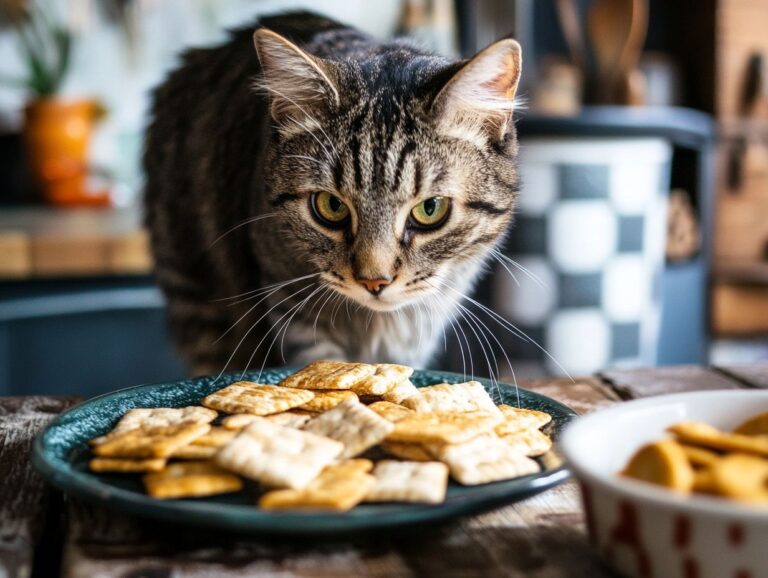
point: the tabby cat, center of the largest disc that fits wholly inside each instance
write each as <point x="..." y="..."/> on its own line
<point x="327" y="195"/>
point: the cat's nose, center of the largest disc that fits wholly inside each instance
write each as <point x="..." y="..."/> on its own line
<point x="374" y="286"/>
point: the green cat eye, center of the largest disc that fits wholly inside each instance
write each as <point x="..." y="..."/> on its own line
<point x="329" y="209"/>
<point x="431" y="213"/>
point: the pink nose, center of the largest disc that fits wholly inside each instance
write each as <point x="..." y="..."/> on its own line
<point x="374" y="286"/>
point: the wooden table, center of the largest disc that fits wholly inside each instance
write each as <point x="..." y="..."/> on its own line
<point x="44" y="534"/>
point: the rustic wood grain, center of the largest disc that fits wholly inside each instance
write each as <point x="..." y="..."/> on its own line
<point x="542" y="537"/>
<point x="24" y="497"/>
<point x="636" y="383"/>
<point x="752" y="375"/>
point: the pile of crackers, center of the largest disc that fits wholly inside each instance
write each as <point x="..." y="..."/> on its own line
<point x="330" y="436"/>
<point x="700" y="458"/>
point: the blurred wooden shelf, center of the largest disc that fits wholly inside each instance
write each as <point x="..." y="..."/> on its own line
<point x="50" y="242"/>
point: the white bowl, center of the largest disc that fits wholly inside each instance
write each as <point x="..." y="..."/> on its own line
<point x="645" y="531"/>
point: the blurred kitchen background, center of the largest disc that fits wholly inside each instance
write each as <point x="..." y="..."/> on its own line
<point x="642" y="231"/>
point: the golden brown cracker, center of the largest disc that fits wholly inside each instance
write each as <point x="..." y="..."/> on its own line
<point x="353" y="424"/>
<point x="455" y="427"/>
<point x="146" y="417"/>
<point x="422" y="482"/>
<point x="278" y="456"/>
<point x="699" y="457"/>
<point x="119" y="465"/>
<point x="256" y="399"/>
<point x="326" y="399"/>
<point x="329" y="375"/>
<point x="191" y="479"/>
<point x="757" y="425"/>
<point x="663" y="463"/>
<point x="741" y="477"/>
<point x="152" y="442"/>
<point x="702" y="434"/>
<point x="390" y="411"/>
<point x="407" y="451"/>
<point x="339" y="487"/>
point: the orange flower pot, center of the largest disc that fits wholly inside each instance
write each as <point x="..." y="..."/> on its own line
<point x="56" y="136"/>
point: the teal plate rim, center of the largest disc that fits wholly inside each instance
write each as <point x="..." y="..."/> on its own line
<point x="58" y="454"/>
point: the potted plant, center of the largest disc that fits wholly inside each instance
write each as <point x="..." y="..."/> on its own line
<point x="56" y="130"/>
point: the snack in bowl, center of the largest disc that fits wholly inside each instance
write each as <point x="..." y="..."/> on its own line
<point x="646" y="529"/>
<point x="704" y="459"/>
<point x="312" y="441"/>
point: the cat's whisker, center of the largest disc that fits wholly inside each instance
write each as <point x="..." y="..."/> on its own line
<point x="255" y="292"/>
<point x="296" y="307"/>
<point x="461" y="309"/>
<point x="531" y="275"/>
<point x="253" y="325"/>
<point x="290" y="319"/>
<point x="304" y="157"/>
<point x="244" y="315"/>
<point x="320" y="310"/>
<point x="504" y="265"/>
<point x="248" y="221"/>
<point x="509" y="326"/>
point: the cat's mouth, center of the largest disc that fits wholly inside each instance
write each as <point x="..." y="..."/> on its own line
<point x="390" y="299"/>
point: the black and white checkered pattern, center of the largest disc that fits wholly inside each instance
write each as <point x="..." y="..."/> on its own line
<point x="591" y="231"/>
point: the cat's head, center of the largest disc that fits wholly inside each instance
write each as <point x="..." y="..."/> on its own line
<point x="394" y="171"/>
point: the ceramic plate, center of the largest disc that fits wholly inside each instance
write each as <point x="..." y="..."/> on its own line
<point x="61" y="455"/>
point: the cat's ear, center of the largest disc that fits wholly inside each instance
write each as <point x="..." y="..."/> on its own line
<point x="477" y="102"/>
<point x="297" y="82"/>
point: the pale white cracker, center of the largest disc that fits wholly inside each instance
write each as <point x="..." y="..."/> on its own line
<point x="424" y="482"/>
<point x="385" y="377"/>
<point x="278" y="456"/>
<point x="484" y="459"/>
<point x="256" y="398"/>
<point x="352" y="424"/>
<point x="452" y="397"/>
<point x="400" y="392"/>
<point x="329" y="375"/>
<point x="517" y="419"/>
<point x="530" y="442"/>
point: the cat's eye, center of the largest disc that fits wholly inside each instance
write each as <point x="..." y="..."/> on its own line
<point x="430" y="213"/>
<point x="329" y="210"/>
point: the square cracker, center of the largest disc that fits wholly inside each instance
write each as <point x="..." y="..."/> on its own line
<point x="400" y="392"/>
<point x="326" y="399"/>
<point x="339" y="487"/>
<point x="256" y="399"/>
<point x="483" y="459"/>
<point x="469" y="396"/>
<point x="206" y="446"/>
<point x="119" y="465"/>
<point x="191" y="479"/>
<point x="352" y="424"/>
<point x="424" y="482"/>
<point x="390" y="411"/>
<point x="530" y="442"/>
<point x="329" y="375"/>
<point x="518" y="419"/>
<point x="145" y="417"/>
<point x="444" y="428"/>
<point x="385" y="377"/>
<point x="292" y="418"/>
<point x="151" y="442"/>
<point x="278" y="456"/>
<point x="408" y="452"/>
